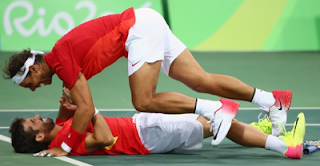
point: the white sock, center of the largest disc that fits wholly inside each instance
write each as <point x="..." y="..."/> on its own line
<point x="206" y="108"/>
<point x="263" y="99"/>
<point x="275" y="144"/>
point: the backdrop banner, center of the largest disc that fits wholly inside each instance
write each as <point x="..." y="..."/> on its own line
<point x="39" y="24"/>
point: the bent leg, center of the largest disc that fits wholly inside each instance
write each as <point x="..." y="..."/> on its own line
<point x="187" y="70"/>
<point x="146" y="43"/>
<point x="143" y="85"/>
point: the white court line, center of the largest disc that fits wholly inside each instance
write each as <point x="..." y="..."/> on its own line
<point x="5" y="138"/>
<point x="65" y="159"/>
<point x="290" y="124"/>
<point x="307" y="124"/>
<point x="291" y="108"/>
<point x="128" y="109"/>
<point x="72" y="161"/>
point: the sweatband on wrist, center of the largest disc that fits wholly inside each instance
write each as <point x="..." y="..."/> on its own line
<point x="96" y="111"/>
<point x="72" y="140"/>
<point x="65" y="147"/>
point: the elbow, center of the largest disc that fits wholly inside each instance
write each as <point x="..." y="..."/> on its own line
<point x="90" y="111"/>
<point x="110" y="141"/>
<point x="106" y="141"/>
<point x="87" y="111"/>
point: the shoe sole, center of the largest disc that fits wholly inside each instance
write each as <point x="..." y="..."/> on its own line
<point x="228" y="116"/>
<point x="298" y="152"/>
<point x="300" y="147"/>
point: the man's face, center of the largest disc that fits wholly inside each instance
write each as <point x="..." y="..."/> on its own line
<point x="35" y="80"/>
<point x="37" y="123"/>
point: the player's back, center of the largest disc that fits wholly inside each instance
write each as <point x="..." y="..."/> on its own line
<point x="96" y="44"/>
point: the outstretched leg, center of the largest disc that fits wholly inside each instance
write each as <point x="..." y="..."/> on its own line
<point x="290" y="144"/>
<point x="239" y="133"/>
<point x="246" y="135"/>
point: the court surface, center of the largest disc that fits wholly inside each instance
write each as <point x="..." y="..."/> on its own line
<point x="297" y="71"/>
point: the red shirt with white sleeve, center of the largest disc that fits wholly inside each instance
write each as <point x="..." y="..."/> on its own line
<point x="124" y="131"/>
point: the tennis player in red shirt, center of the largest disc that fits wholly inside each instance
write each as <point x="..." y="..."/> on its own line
<point x="143" y="37"/>
<point x="145" y="133"/>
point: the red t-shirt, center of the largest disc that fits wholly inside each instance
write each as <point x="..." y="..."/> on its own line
<point x="91" y="47"/>
<point x="124" y="131"/>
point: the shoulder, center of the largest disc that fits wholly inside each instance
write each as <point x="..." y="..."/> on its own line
<point x="59" y="137"/>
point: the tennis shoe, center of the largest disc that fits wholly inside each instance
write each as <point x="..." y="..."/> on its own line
<point x="278" y="111"/>
<point x="222" y="119"/>
<point x="294" y="138"/>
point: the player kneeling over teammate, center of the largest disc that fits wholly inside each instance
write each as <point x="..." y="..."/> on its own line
<point x="146" y="133"/>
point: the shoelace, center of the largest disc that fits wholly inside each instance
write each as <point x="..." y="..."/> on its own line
<point x="263" y="126"/>
<point x="265" y="115"/>
<point x="283" y="129"/>
<point x="212" y="124"/>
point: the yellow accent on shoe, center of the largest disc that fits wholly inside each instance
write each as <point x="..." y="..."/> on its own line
<point x="263" y="125"/>
<point x="294" y="138"/>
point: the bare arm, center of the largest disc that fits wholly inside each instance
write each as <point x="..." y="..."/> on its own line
<point x="101" y="136"/>
<point x="67" y="108"/>
<point x="65" y="114"/>
<point x="81" y="97"/>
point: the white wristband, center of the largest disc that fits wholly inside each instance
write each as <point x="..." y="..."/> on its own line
<point x="96" y="111"/>
<point x="65" y="147"/>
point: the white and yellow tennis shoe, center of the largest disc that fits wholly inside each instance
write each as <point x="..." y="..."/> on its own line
<point x="294" y="138"/>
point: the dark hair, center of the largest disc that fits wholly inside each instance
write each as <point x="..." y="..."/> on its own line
<point x="24" y="141"/>
<point x="16" y="61"/>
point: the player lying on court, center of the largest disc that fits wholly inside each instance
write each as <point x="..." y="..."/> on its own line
<point x="145" y="133"/>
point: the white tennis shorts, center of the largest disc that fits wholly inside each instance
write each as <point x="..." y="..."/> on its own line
<point x="162" y="133"/>
<point x="149" y="40"/>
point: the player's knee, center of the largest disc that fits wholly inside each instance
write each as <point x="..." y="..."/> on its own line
<point x="198" y="86"/>
<point x="200" y="83"/>
<point x="141" y="105"/>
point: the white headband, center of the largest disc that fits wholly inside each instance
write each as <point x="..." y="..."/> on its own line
<point x="17" y="79"/>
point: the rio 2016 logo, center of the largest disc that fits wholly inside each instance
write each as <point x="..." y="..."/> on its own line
<point x="54" y="25"/>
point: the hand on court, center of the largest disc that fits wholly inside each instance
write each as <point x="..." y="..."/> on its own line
<point x="55" y="152"/>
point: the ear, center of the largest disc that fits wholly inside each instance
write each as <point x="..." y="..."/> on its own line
<point x="40" y="137"/>
<point x="34" y="68"/>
